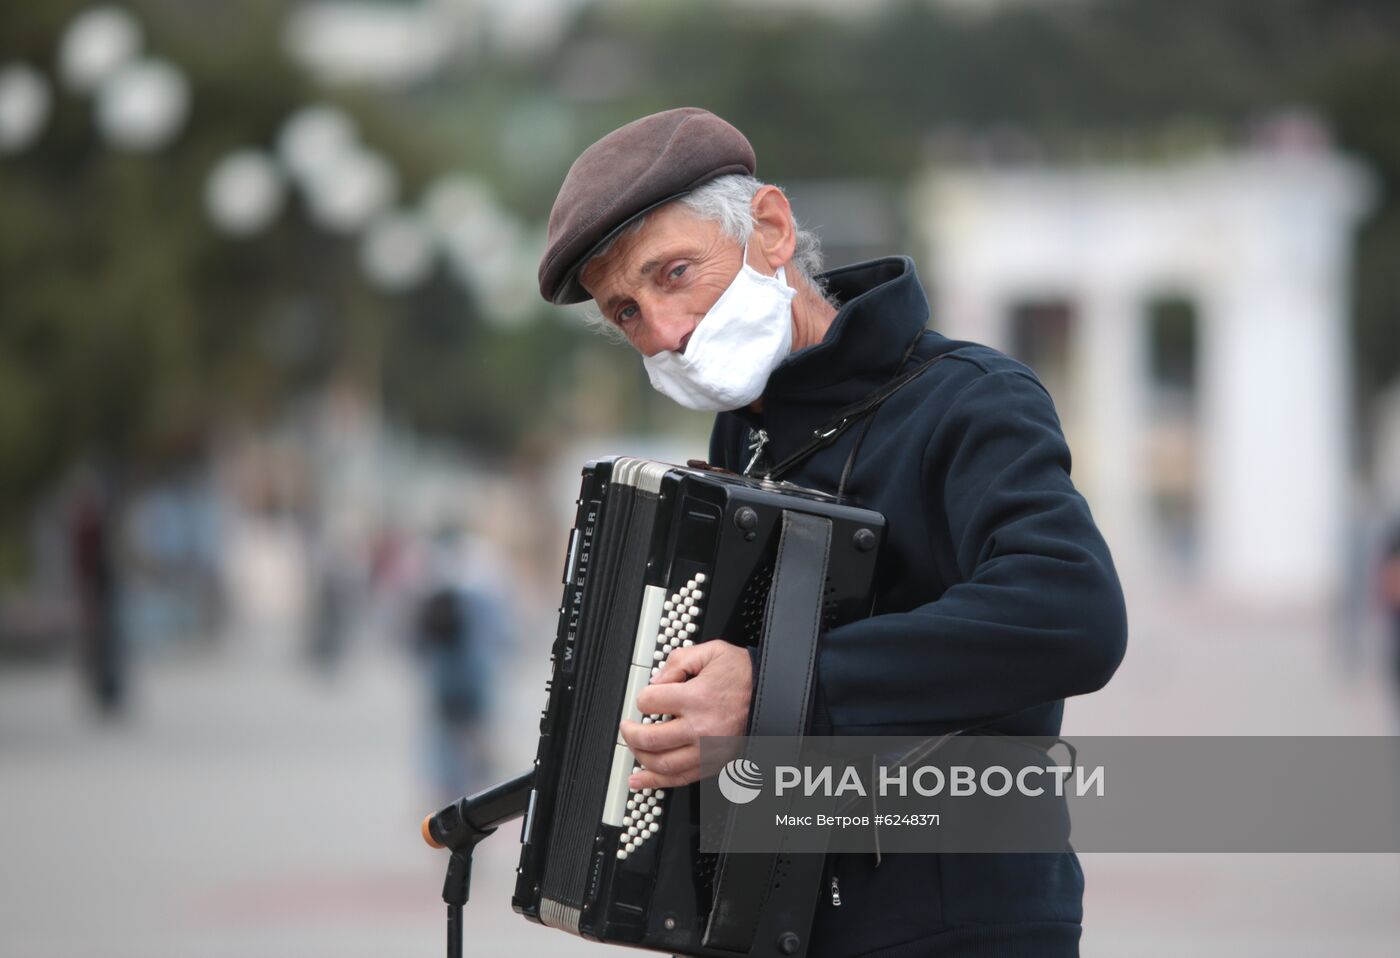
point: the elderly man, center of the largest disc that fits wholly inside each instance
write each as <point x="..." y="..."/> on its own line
<point x="997" y="598"/>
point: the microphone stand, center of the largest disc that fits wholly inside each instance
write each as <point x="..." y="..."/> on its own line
<point x="459" y="828"/>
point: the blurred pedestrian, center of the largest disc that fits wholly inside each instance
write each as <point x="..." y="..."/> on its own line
<point x="333" y="593"/>
<point x="101" y="656"/>
<point x="459" y="630"/>
<point x="1390" y="598"/>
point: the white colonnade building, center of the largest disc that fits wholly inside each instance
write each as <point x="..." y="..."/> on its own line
<point x="1192" y="322"/>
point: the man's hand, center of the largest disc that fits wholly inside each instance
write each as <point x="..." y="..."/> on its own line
<point x="705" y="688"/>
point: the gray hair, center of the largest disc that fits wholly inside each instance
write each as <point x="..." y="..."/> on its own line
<point x="728" y="201"/>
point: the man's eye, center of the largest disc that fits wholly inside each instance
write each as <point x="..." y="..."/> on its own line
<point x="626" y="313"/>
<point x="676" y="273"/>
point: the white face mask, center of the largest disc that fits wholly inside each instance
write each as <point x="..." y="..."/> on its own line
<point x="735" y="347"/>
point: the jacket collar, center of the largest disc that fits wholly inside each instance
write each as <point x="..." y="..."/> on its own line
<point x="883" y="307"/>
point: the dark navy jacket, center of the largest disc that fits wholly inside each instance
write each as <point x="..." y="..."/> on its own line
<point x="997" y="598"/>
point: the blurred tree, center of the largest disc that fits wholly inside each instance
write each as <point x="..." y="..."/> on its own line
<point x="130" y="328"/>
<point x="128" y="325"/>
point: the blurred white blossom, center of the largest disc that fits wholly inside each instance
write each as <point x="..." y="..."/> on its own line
<point x="143" y="105"/>
<point x="97" y="44"/>
<point x="354" y="187"/>
<point x="313" y="138"/>
<point x="25" y="102"/>
<point x="397" y="251"/>
<point x="245" y="192"/>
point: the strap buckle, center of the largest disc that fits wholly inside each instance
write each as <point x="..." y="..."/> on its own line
<point x="835" y="429"/>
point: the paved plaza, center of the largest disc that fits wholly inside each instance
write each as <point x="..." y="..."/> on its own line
<point x="248" y="808"/>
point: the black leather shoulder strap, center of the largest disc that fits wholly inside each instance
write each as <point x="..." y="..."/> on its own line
<point x="782" y="697"/>
<point x="792" y="624"/>
<point x="831" y="430"/>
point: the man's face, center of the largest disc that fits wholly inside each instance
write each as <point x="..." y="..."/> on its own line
<point x="658" y="283"/>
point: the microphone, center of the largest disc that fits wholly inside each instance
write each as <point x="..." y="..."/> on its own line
<point x="459" y="828"/>
<point x="468" y="820"/>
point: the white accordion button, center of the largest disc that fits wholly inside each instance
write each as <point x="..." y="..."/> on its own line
<point x="661" y="793"/>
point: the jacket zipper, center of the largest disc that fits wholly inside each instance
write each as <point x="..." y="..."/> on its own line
<point x="758" y="440"/>
<point x="835" y="892"/>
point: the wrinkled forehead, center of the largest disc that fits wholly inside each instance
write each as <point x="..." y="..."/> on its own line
<point x="666" y="232"/>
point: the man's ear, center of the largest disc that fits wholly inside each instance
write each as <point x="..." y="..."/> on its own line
<point x="774" y="231"/>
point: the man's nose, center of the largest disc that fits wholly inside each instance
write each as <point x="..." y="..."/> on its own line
<point x="669" y="331"/>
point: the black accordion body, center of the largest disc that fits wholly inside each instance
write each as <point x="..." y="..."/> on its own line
<point x="661" y="557"/>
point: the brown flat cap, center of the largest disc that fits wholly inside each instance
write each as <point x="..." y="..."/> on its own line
<point x="633" y="169"/>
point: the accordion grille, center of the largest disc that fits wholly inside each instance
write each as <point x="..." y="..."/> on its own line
<point x="611" y="610"/>
<point x="753" y="605"/>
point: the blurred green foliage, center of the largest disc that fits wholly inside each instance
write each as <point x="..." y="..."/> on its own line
<point x="129" y="329"/>
<point x="124" y="321"/>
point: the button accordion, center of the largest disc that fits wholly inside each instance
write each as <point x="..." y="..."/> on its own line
<point x="661" y="557"/>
